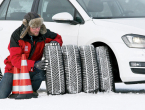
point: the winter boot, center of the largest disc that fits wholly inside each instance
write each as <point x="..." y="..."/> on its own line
<point x="35" y="94"/>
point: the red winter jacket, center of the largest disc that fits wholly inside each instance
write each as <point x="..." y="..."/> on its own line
<point x="32" y="50"/>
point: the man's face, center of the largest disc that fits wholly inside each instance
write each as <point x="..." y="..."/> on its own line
<point x="34" y="31"/>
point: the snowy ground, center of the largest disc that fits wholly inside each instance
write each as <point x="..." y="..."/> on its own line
<point x="128" y="97"/>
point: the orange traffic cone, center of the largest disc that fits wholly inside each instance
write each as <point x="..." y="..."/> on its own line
<point x="25" y="88"/>
<point x="16" y="80"/>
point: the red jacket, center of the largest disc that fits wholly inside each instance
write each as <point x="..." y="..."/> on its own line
<point x="32" y="49"/>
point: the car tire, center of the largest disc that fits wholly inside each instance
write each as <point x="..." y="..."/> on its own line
<point x="89" y="68"/>
<point x="105" y="69"/>
<point x="72" y="67"/>
<point x="55" y="82"/>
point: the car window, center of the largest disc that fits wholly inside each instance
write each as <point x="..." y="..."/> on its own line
<point x="3" y="9"/>
<point x="106" y="12"/>
<point x="48" y="8"/>
<point x="18" y="8"/>
<point x="133" y="7"/>
<point x="113" y="8"/>
<point x="100" y="8"/>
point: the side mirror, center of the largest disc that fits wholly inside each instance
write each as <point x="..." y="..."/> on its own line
<point x="64" y="17"/>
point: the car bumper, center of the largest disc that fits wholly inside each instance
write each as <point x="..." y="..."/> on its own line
<point x="125" y="55"/>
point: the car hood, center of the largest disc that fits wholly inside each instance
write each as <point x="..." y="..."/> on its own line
<point x="126" y="25"/>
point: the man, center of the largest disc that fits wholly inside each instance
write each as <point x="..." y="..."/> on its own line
<point x="28" y="39"/>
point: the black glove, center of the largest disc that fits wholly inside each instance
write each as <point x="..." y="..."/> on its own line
<point x="41" y="65"/>
<point x="54" y="43"/>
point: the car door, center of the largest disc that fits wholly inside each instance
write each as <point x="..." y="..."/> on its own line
<point x="48" y="8"/>
<point x="11" y="16"/>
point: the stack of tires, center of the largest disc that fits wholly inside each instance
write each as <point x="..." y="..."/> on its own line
<point x="74" y="69"/>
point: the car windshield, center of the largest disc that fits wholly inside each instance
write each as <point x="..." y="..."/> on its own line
<point x="103" y="9"/>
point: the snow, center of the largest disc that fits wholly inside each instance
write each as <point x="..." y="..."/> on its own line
<point x="128" y="97"/>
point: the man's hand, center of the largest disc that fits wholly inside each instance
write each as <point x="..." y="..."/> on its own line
<point x="41" y="65"/>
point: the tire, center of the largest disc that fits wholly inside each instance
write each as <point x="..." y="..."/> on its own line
<point x="72" y="66"/>
<point x="105" y="69"/>
<point x="89" y="68"/>
<point x="55" y="83"/>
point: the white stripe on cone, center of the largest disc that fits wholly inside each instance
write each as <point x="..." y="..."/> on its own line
<point x="24" y="76"/>
<point x="25" y="88"/>
<point x="16" y="76"/>
<point x="15" y="88"/>
<point x="23" y="62"/>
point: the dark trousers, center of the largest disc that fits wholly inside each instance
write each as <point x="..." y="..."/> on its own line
<point x="6" y="83"/>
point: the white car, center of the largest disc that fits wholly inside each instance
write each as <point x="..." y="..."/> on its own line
<point x="115" y="27"/>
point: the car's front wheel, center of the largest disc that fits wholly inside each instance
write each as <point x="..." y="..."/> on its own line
<point x="105" y="69"/>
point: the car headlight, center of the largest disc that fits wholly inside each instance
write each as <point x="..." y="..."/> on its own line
<point x="134" y="41"/>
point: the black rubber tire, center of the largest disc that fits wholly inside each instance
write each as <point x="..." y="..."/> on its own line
<point x="89" y="68"/>
<point x="55" y="83"/>
<point x="72" y="66"/>
<point x="105" y="69"/>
